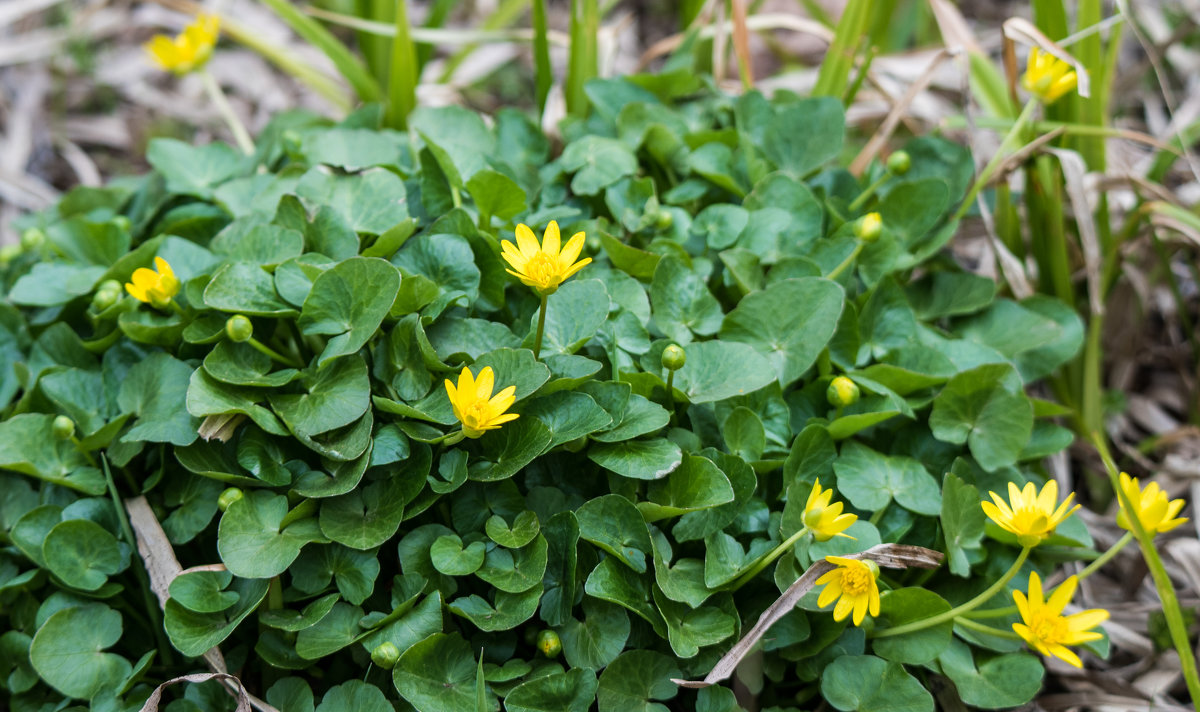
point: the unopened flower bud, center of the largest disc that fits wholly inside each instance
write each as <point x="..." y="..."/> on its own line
<point x="64" y="427"/>
<point x="228" y="497"/>
<point x="899" y="162"/>
<point x="549" y="643"/>
<point x="8" y="253"/>
<point x="107" y="294"/>
<point x="122" y="223"/>
<point x="842" y="392"/>
<point x="32" y="239"/>
<point x="238" y="328"/>
<point x="385" y="655"/>
<point x="868" y="227"/>
<point x="673" y="358"/>
<point x="664" y="220"/>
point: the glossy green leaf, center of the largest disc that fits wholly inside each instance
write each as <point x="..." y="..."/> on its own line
<point x="348" y="303"/>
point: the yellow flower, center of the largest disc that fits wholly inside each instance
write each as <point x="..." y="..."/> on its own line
<point x="152" y="287"/>
<point x="1047" y="77"/>
<point x="190" y="49"/>
<point x="824" y="520"/>
<point x="853" y="584"/>
<point x="1028" y="514"/>
<point x="1150" y="505"/>
<point x="474" y="405"/>
<point x="544" y="267"/>
<point x="1046" y="629"/>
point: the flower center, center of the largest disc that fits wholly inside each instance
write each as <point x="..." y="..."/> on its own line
<point x="856" y="581"/>
<point x="543" y="269"/>
<point x="1031" y="520"/>
<point x="476" y="414"/>
<point x="1049" y="628"/>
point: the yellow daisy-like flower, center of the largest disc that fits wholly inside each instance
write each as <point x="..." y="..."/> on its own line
<point x="151" y="287"/>
<point x="1028" y="514"/>
<point x="1046" y="629"/>
<point x="190" y="49"/>
<point x="823" y="519"/>
<point x="1047" y="77"/>
<point x="853" y="584"/>
<point x="474" y="405"/>
<point x="544" y="267"/>
<point x="1150" y="505"/>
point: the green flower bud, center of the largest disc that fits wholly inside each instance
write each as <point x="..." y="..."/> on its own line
<point x="64" y="427"/>
<point x="238" y="328"/>
<point x="8" y="253"/>
<point x="122" y="223"/>
<point x="664" y="220"/>
<point x="899" y="162"/>
<point x="842" y="392"/>
<point x="107" y="294"/>
<point x="32" y="239"/>
<point x="385" y="655"/>
<point x="549" y="643"/>
<point x="228" y="497"/>
<point x="673" y="358"/>
<point x="868" y="227"/>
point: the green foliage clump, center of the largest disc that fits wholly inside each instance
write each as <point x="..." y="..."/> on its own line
<point x="284" y="415"/>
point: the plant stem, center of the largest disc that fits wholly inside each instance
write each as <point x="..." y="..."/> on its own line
<point x="164" y="646"/>
<point x="766" y="560"/>
<point x="986" y="629"/>
<point x="862" y="199"/>
<point x="837" y="271"/>
<point x="1087" y="571"/>
<point x="1162" y="582"/>
<point x="1010" y="139"/>
<point x="964" y="608"/>
<point x="541" y="327"/>
<point x="671" y="392"/>
<point x="231" y="119"/>
<point x="273" y="354"/>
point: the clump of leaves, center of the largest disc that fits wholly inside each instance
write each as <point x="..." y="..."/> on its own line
<point x="329" y="285"/>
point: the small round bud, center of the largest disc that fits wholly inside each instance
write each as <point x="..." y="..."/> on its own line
<point x="549" y="643"/>
<point x="664" y="220"/>
<point x="32" y="239"/>
<point x="107" y="294"/>
<point x="292" y="139"/>
<point x="122" y="223"/>
<point x="868" y="227"/>
<point x="238" y="328"/>
<point x="899" y="162"/>
<point x="385" y="655"/>
<point x="8" y="253"/>
<point x="64" y="427"/>
<point x="228" y="497"/>
<point x="673" y="358"/>
<point x="842" y="392"/>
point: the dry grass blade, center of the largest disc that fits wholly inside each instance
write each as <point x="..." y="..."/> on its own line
<point x="1074" y="174"/>
<point x="243" y="699"/>
<point x="741" y="43"/>
<point x="879" y="140"/>
<point x="956" y="33"/>
<point x="754" y="23"/>
<point x="159" y="558"/>
<point x="893" y="556"/>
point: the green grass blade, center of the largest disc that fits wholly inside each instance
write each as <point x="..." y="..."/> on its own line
<point x="835" y="70"/>
<point x="582" y="60"/>
<point x="347" y="64"/>
<point x="541" y="54"/>
<point x="402" y="78"/>
<point x="376" y="50"/>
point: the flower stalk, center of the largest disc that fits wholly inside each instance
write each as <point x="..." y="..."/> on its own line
<point x="1162" y="582"/>
<point x="957" y="611"/>
<point x="217" y="95"/>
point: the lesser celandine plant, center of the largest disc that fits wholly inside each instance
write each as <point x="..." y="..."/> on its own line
<point x="445" y="472"/>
